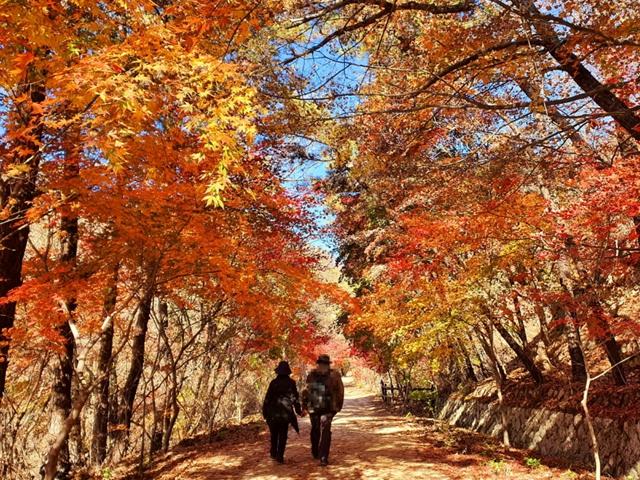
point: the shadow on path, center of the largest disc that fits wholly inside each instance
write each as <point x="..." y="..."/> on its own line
<point x="368" y="442"/>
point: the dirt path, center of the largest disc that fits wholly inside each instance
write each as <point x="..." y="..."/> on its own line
<point x="368" y="443"/>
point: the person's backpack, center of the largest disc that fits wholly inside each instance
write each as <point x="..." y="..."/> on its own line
<point x="319" y="395"/>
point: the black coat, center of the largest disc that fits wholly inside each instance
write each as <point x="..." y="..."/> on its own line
<point x="280" y="402"/>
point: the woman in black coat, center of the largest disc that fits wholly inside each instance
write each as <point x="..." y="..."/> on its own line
<point x="278" y="409"/>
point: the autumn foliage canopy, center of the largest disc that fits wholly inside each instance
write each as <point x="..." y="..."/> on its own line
<point x="481" y="169"/>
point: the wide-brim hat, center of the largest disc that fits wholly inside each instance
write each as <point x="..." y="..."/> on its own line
<point x="324" y="359"/>
<point x="283" y="368"/>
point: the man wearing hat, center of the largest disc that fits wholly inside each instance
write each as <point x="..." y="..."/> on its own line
<point x="278" y="409"/>
<point x="322" y="398"/>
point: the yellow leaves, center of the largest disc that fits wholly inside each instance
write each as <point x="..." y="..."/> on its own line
<point x="123" y="4"/>
<point x="116" y="85"/>
<point x="147" y="117"/>
<point x="15" y="170"/>
<point x="183" y="95"/>
<point x="197" y="157"/>
<point x="213" y="194"/>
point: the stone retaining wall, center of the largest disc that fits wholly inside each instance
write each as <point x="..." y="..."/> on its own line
<point x="555" y="434"/>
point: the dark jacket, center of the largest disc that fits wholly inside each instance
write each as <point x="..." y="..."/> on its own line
<point x="332" y="384"/>
<point x="281" y="400"/>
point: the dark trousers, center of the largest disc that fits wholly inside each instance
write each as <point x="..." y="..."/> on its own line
<point x="321" y="434"/>
<point x="278" y="438"/>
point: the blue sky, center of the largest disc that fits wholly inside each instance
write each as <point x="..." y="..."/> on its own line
<point x="326" y="73"/>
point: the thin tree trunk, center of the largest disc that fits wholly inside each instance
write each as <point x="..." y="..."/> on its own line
<point x="611" y="346"/>
<point x="544" y="328"/>
<point x="61" y="394"/>
<point x="571" y="333"/>
<point x="578" y="370"/>
<point x="101" y="417"/>
<point x="61" y="399"/>
<point x="503" y="414"/>
<point x="554" y="113"/>
<point x="137" y="358"/>
<point x="155" y="437"/>
<point x="499" y="378"/>
<point x="575" y="68"/>
<point x="592" y="432"/>
<point x="471" y="374"/>
<point x="50" y="467"/>
<point x="483" y="369"/>
<point x="125" y="406"/>
<point x="481" y="361"/>
<point x="172" y="410"/>
<point x="16" y="194"/>
<point x="524" y="358"/>
<point x="517" y="312"/>
<point x="170" y="421"/>
<point x="203" y="381"/>
<point x="159" y="414"/>
<point x="522" y="331"/>
<point x="493" y="359"/>
<point x="599" y="328"/>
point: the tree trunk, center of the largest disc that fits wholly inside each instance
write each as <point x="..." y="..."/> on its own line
<point x="578" y="370"/>
<point x="522" y="332"/>
<point x="595" y="447"/>
<point x="571" y="333"/>
<point x="602" y="331"/>
<point x="496" y="366"/>
<point x="499" y="378"/>
<point x="170" y="418"/>
<point x="16" y="194"/>
<point x="61" y="399"/>
<point x="101" y="417"/>
<point x="171" y="408"/>
<point x="50" y="467"/>
<point x="544" y="328"/>
<point x="125" y="406"/>
<point x="483" y="369"/>
<point x="599" y="328"/>
<point x="471" y="374"/>
<point x="160" y="413"/>
<point x="155" y="437"/>
<point x="526" y="360"/>
<point x="481" y="360"/>
<point x="61" y="394"/>
<point x="554" y="113"/>
<point x="570" y="63"/>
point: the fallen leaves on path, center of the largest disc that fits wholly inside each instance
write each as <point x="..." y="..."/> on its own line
<point x="369" y="442"/>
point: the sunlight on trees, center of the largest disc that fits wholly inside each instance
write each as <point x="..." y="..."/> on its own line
<point x="482" y="183"/>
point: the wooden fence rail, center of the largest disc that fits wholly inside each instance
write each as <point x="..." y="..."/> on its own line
<point x="388" y="395"/>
